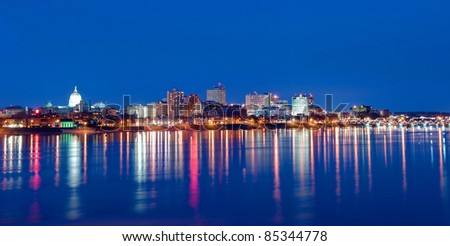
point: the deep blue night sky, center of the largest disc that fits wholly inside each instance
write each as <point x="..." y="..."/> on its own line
<point x="389" y="54"/>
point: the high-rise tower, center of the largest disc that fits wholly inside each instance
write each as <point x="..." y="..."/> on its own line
<point x="217" y="94"/>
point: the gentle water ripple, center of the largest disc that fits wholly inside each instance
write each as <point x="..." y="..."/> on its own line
<point x="340" y="176"/>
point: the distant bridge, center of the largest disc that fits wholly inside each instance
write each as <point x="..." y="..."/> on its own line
<point x="400" y="121"/>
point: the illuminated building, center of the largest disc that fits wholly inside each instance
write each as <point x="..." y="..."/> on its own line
<point x="12" y="111"/>
<point x="217" y="94"/>
<point x="310" y="100"/>
<point x="97" y="107"/>
<point x="137" y="114"/>
<point x="269" y="111"/>
<point x="157" y="112"/>
<point x="300" y="105"/>
<point x="151" y="110"/>
<point x="162" y="109"/>
<point x="365" y="111"/>
<point x="362" y="109"/>
<point x="261" y="100"/>
<point x="48" y="104"/>
<point x="82" y="107"/>
<point x="61" y="111"/>
<point x="194" y="105"/>
<point x="255" y="101"/>
<point x="75" y="98"/>
<point x="175" y="100"/>
<point x="67" y="124"/>
<point x="283" y="107"/>
<point x="137" y="111"/>
<point x="385" y="113"/>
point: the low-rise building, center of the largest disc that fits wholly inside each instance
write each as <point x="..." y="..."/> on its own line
<point x="255" y="102"/>
<point x="12" y="111"/>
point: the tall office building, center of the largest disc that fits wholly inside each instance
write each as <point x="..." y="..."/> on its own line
<point x="194" y="105"/>
<point x="300" y="105"/>
<point x="161" y="110"/>
<point x="175" y="100"/>
<point x="151" y="109"/>
<point x="217" y="94"/>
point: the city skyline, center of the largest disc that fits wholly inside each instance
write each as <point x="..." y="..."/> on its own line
<point x="392" y="55"/>
<point x="269" y="98"/>
<point x="305" y="114"/>
<point x="286" y="100"/>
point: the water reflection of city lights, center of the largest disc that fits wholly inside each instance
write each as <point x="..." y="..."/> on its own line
<point x="74" y="161"/>
<point x="312" y="162"/>
<point x="442" y="170"/>
<point x="5" y="157"/>
<point x="85" y="155"/>
<point x="212" y="155"/>
<point x="369" y="157"/>
<point x="297" y="167"/>
<point x="57" y="161"/>
<point x="194" y="193"/>
<point x="140" y="154"/>
<point x="153" y="144"/>
<point x="140" y="172"/>
<point x="227" y="153"/>
<point x="385" y="150"/>
<point x="72" y="142"/>
<point x="121" y="154"/>
<point x="278" y="218"/>
<point x="35" y="166"/>
<point x="338" y="163"/>
<point x="404" y="178"/>
<point x="356" y="160"/>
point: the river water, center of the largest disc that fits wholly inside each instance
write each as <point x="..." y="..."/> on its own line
<point x="339" y="176"/>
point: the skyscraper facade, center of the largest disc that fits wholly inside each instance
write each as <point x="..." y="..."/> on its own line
<point x="300" y="105"/>
<point x="217" y="94"/>
<point x="175" y="100"/>
<point x="194" y="105"/>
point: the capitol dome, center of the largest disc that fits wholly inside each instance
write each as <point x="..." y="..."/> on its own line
<point x="75" y="98"/>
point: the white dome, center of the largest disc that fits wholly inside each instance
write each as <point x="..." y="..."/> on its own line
<point x="75" y="98"/>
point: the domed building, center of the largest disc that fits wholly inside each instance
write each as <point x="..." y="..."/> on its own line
<point x="75" y="98"/>
<point x="48" y="104"/>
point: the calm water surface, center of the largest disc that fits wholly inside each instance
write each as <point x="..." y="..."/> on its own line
<point x="351" y="176"/>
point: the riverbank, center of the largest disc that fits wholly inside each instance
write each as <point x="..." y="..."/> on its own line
<point x="186" y="127"/>
<point x="181" y="127"/>
<point x="46" y="130"/>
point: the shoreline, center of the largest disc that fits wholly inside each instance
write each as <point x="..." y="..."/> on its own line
<point x="153" y="128"/>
